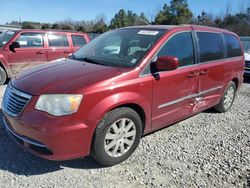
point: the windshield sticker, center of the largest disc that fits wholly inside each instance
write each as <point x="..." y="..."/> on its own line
<point x="133" y="61"/>
<point x="148" y="32"/>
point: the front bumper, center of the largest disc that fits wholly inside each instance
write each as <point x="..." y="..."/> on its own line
<point x="247" y="71"/>
<point x="48" y="140"/>
<point x="247" y="68"/>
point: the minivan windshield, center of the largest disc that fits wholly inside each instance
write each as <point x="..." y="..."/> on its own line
<point x="119" y="48"/>
<point x="5" y="37"/>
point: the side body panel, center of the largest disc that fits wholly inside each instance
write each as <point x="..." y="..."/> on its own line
<point x="173" y="96"/>
<point x="214" y="76"/>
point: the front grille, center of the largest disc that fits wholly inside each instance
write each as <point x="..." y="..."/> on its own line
<point x="247" y="64"/>
<point x="14" y="101"/>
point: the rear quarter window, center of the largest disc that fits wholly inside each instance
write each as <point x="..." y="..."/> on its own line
<point x="210" y="46"/>
<point x="233" y="46"/>
<point x="78" y="40"/>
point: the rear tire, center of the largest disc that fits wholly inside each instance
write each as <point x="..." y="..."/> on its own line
<point x="227" y="99"/>
<point x="3" y="76"/>
<point x="116" y="136"/>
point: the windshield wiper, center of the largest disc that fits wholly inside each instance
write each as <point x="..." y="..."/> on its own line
<point x="89" y="60"/>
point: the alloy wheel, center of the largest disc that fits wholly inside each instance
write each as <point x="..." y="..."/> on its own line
<point x="120" y="137"/>
<point x="229" y="97"/>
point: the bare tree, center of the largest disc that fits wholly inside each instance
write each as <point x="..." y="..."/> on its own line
<point x="228" y="8"/>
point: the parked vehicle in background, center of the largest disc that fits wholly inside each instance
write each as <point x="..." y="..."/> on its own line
<point x="23" y="49"/>
<point x="9" y="27"/>
<point x="246" y="45"/>
<point x="124" y="84"/>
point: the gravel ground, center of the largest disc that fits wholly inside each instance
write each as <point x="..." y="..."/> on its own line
<point x="207" y="150"/>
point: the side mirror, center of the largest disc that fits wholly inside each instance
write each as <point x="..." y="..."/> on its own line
<point x="167" y="63"/>
<point x="13" y="46"/>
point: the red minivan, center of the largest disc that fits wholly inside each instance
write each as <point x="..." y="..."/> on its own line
<point x="123" y="84"/>
<point x="23" y="49"/>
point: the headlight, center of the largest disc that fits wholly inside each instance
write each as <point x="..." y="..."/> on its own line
<point x="58" y="104"/>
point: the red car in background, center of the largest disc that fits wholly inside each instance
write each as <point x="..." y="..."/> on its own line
<point x="124" y="84"/>
<point x="23" y="49"/>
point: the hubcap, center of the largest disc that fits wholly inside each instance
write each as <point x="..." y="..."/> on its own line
<point x="229" y="97"/>
<point x="120" y="137"/>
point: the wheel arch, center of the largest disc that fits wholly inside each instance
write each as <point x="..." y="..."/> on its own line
<point x="1" y="65"/>
<point x="124" y="99"/>
<point x="236" y="81"/>
<point x="138" y="109"/>
<point x="4" y="64"/>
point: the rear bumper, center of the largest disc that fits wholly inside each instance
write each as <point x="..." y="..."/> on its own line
<point x="50" y="142"/>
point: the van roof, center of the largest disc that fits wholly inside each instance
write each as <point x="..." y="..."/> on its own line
<point x="168" y="27"/>
<point x="51" y="30"/>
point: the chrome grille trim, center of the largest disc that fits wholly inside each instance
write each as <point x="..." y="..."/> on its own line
<point x="247" y="64"/>
<point x="14" y="101"/>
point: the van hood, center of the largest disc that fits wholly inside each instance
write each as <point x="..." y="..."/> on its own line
<point x="62" y="76"/>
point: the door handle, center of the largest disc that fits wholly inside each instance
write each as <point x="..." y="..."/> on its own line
<point x="204" y="72"/>
<point x="192" y="74"/>
<point x="40" y="52"/>
<point x="66" y="52"/>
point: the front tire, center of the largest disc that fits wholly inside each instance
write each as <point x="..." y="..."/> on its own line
<point x="116" y="136"/>
<point x="227" y="99"/>
<point x="3" y="76"/>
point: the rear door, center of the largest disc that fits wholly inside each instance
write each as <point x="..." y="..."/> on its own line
<point x="174" y="91"/>
<point x="32" y="51"/>
<point x="58" y="46"/>
<point x="215" y="69"/>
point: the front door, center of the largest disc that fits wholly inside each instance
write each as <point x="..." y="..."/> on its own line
<point x="174" y="92"/>
<point x="32" y="52"/>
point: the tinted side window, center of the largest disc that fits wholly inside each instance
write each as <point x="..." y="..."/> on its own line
<point x="78" y="40"/>
<point x="211" y="46"/>
<point x="180" y="46"/>
<point x="233" y="46"/>
<point x="56" y="40"/>
<point x="31" y="40"/>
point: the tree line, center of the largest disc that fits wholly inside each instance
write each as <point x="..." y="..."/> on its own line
<point x="174" y="13"/>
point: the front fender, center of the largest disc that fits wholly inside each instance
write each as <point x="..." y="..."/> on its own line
<point x="119" y="99"/>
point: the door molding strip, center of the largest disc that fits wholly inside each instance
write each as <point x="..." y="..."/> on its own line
<point x="188" y="97"/>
